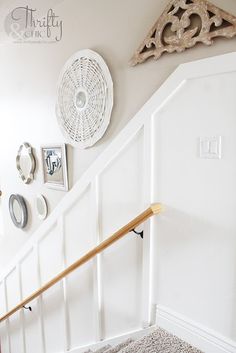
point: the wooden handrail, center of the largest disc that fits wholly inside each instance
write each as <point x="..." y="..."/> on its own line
<point x="152" y="210"/>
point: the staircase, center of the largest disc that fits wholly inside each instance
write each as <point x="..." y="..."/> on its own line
<point x="117" y="292"/>
<point x="158" y="341"/>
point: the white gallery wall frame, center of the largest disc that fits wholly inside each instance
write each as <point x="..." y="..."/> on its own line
<point x="54" y="166"/>
<point x="84" y="98"/>
<point x="182" y="25"/>
<point x="41" y="207"/>
<point x="18" y="210"/>
<point x="25" y="163"/>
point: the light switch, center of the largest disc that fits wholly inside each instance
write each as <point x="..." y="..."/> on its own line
<point x="210" y="147"/>
<point x="214" y="147"/>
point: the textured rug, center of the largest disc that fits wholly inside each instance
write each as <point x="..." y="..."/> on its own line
<point x="159" y="341"/>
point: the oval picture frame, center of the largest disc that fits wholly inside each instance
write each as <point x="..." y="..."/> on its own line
<point x="30" y="177"/>
<point x="23" y="208"/>
<point x="43" y="203"/>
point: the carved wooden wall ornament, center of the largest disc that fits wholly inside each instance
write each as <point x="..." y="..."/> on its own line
<point x="182" y="25"/>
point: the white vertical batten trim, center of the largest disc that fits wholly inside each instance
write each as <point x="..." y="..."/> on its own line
<point x="21" y="313"/>
<point x="151" y="231"/>
<point x="61" y="229"/>
<point x="152" y="183"/>
<point x="97" y="259"/>
<point x="40" y="299"/>
<point x="7" y="321"/>
<point x="146" y="302"/>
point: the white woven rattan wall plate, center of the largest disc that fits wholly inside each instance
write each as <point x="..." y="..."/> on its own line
<point x="84" y="98"/>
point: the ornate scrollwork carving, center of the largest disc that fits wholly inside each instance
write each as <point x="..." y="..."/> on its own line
<point x="183" y="24"/>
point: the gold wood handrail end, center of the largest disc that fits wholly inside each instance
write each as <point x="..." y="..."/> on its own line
<point x="157" y="208"/>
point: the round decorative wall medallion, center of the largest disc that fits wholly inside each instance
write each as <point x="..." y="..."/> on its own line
<point x="84" y="98"/>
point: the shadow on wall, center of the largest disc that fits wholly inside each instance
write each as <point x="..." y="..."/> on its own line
<point x="233" y="317"/>
<point x="195" y="265"/>
<point x="69" y="152"/>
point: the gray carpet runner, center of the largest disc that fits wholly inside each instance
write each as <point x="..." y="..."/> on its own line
<point x="159" y="341"/>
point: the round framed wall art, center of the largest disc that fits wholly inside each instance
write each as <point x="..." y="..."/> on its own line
<point x="84" y="98"/>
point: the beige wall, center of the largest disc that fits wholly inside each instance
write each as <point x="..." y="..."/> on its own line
<point x="115" y="29"/>
<point x="29" y="75"/>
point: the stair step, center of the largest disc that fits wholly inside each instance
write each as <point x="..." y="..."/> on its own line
<point x="119" y="346"/>
<point x="160" y="341"/>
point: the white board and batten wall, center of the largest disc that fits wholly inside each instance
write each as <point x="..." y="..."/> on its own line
<point x="103" y="298"/>
<point x="185" y="266"/>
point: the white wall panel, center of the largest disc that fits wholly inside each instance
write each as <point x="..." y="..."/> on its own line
<point x="30" y="283"/>
<point x="15" y="321"/>
<point x="4" y="324"/>
<point x="54" y="319"/>
<point x="79" y="240"/>
<point x="51" y="262"/>
<point x="50" y="249"/>
<point x="121" y="264"/>
<point x="121" y="187"/>
<point x="4" y="338"/>
<point x="80" y="298"/>
<point x="77" y="225"/>
<point x="195" y="242"/>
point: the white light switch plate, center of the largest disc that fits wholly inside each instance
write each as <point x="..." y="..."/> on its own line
<point x="210" y="147"/>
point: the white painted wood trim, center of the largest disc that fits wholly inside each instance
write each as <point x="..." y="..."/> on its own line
<point x="22" y="312"/>
<point x="96" y="262"/>
<point x="199" y="336"/>
<point x="114" y="340"/>
<point x="40" y="301"/>
<point x="7" y="321"/>
<point x="194" y="333"/>
<point x="61" y="227"/>
<point x="147" y="261"/>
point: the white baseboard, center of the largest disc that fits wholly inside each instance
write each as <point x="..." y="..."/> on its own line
<point x="114" y="340"/>
<point x="197" y="335"/>
<point x="208" y="341"/>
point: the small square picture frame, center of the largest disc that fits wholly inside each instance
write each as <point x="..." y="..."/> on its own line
<point x="54" y="166"/>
